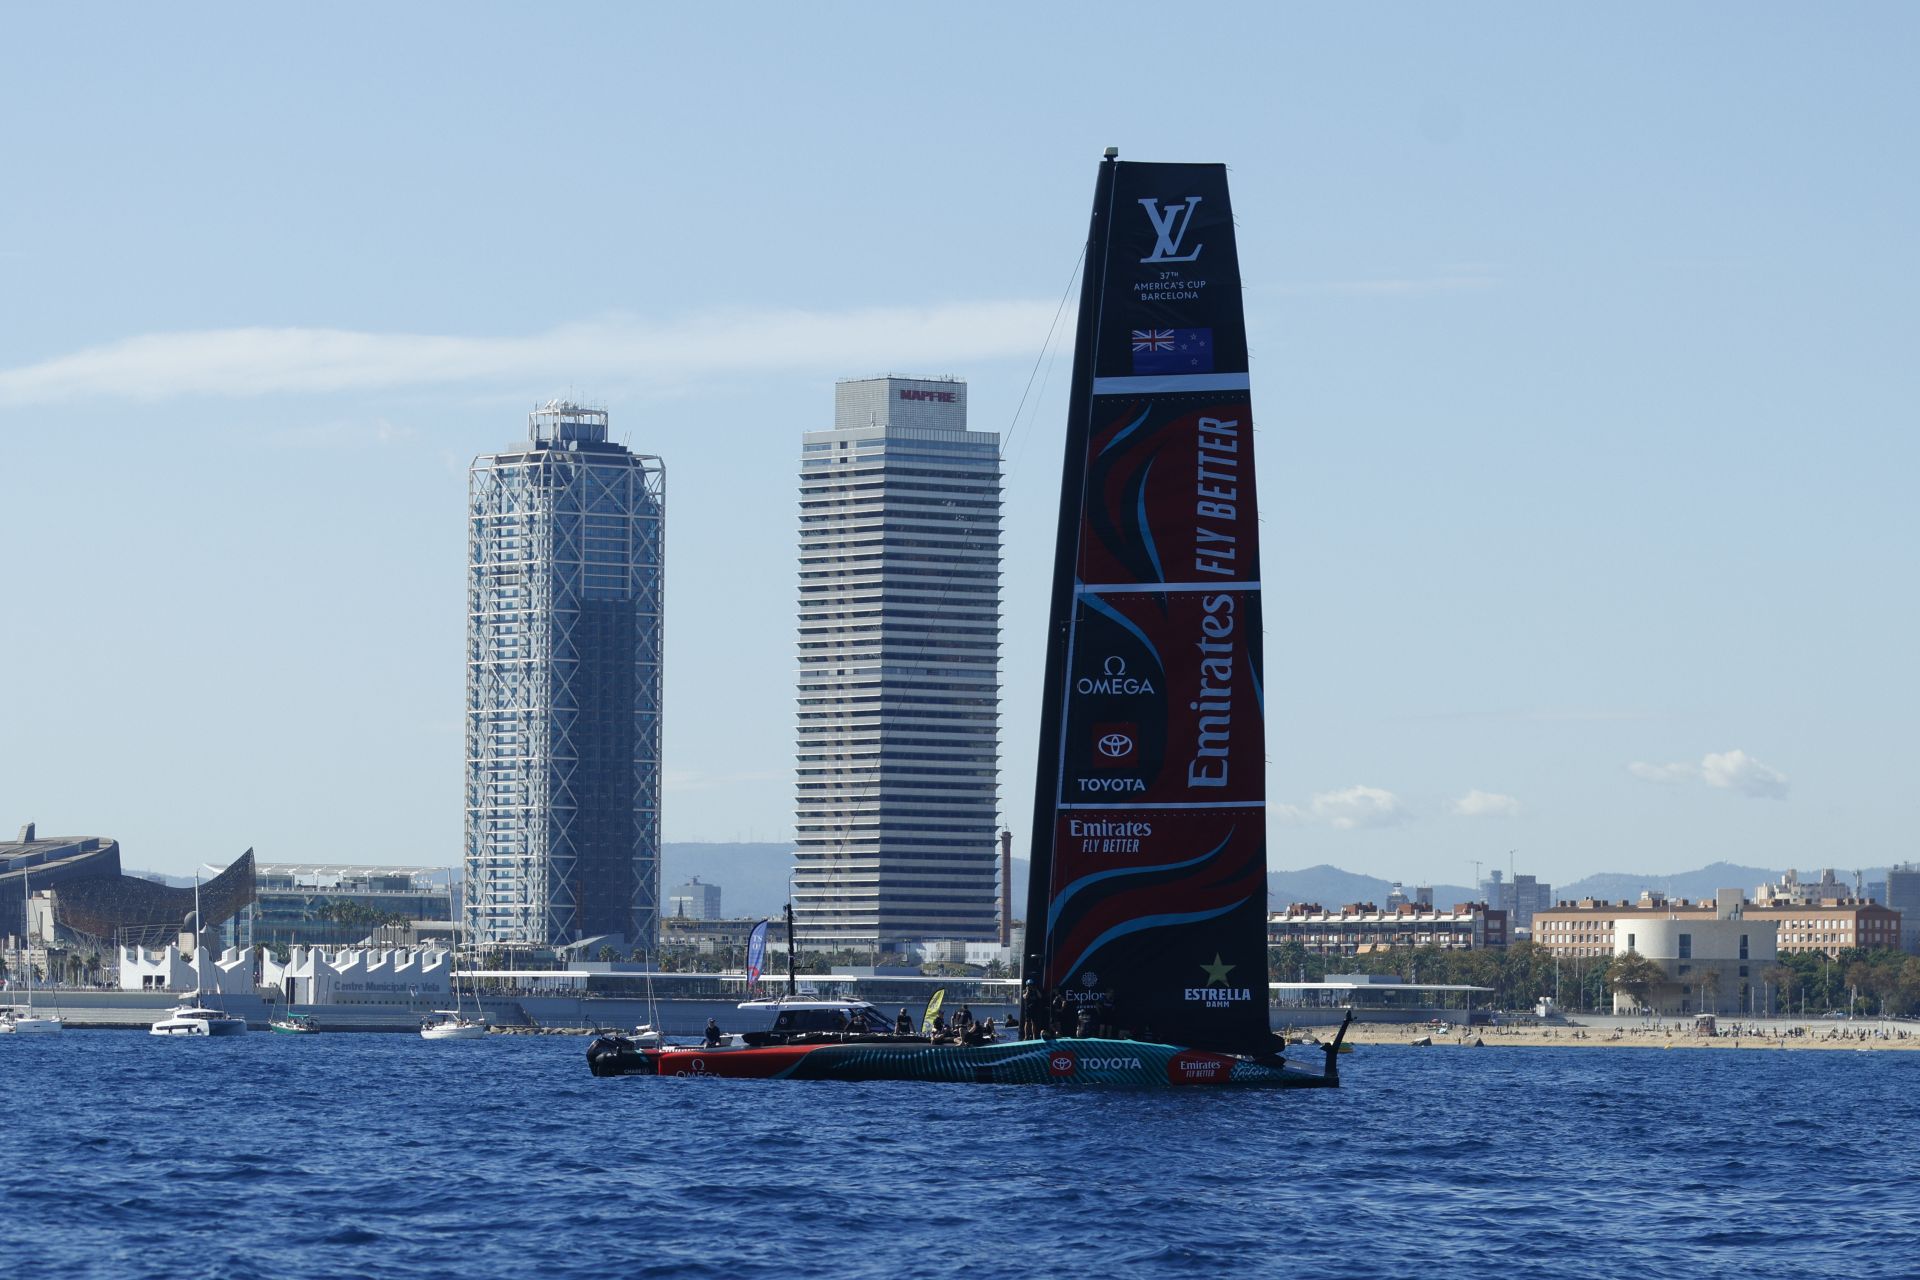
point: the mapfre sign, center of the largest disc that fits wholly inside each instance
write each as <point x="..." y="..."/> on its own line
<point x="916" y="393"/>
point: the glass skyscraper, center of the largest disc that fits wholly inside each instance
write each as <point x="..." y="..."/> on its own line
<point x="564" y="569"/>
<point x="899" y="694"/>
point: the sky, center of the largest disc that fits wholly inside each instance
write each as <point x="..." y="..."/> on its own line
<point x="1583" y="362"/>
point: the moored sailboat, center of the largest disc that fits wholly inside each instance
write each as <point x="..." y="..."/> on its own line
<point x="14" y="1020"/>
<point x="1146" y="956"/>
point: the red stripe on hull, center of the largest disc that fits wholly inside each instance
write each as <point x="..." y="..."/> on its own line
<point x="765" y="1063"/>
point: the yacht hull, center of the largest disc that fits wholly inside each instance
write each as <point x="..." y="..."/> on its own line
<point x="30" y="1026"/>
<point x="1065" y="1060"/>
<point x="453" y="1031"/>
<point x="198" y="1029"/>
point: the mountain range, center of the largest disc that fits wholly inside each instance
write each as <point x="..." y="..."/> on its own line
<point x="753" y="880"/>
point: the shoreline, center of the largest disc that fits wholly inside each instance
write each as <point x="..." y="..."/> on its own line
<point x="1876" y="1038"/>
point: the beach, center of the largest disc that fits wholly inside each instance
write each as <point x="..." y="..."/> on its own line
<point x="1602" y="1033"/>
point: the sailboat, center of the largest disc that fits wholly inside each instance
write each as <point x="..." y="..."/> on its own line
<point x="15" y="1021"/>
<point x="453" y="1024"/>
<point x="1146" y="959"/>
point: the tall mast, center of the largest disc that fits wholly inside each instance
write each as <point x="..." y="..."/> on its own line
<point x="792" y="979"/>
<point x="1066" y="547"/>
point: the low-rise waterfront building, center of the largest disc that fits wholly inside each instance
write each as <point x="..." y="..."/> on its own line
<point x="717" y="937"/>
<point x="1591" y="927"/>
<point x="359" y="975"/>
<point x="170" y="968"/>
<point x="328" y="904"/>
<point x="1362" y="927"/>
<point x="1709" y="964"/>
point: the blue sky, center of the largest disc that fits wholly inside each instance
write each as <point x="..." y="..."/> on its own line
<point x="1583" y="356"/>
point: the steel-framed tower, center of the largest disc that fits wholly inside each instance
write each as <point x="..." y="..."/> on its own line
<point x="898" y="689"/>
<point x="564" y="592"/>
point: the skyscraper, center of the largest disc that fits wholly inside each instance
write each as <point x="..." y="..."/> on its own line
<point x="899" y="694"/>
<point x="564" y="568"/>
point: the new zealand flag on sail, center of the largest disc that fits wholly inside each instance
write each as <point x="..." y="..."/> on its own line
<point x="1172" y="351"/>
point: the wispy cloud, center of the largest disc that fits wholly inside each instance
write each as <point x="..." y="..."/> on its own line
<point x="1358" y="806"/>
<point x="1485" y="804"/>
<point x="260" y="361"/>
<point x="1726" y="770"/>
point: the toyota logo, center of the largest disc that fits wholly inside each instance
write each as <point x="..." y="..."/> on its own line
<point x="1114" y="746"/>
<point x="1061" y="1063"/>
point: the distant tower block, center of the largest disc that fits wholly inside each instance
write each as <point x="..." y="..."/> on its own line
<point x="899" y="702"/>
<point x="564" y="573"/>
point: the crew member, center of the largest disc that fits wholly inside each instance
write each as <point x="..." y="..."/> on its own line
<point x="903" y="1025"/>
<point x="713" y="1033"/>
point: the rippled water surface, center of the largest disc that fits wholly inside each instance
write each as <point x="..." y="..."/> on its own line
<point x="374" y="1155"/>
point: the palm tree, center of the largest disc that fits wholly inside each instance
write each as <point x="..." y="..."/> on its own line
<point x="1634" y="976"/>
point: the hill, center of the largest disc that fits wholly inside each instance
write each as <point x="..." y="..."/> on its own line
<point x="1333" y="888"/>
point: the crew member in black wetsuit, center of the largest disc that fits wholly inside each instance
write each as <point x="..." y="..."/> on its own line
<point x="903" y="1025"/>
<point x="713" y="1033"/>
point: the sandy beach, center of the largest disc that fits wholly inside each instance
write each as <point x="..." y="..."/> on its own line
<point x="1781" y="1034"/>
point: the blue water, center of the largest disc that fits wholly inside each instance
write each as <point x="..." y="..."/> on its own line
<point x="370" y="1155"/>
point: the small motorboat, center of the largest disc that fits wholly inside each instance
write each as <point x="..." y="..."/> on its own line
<point x="1422" y="1042"/>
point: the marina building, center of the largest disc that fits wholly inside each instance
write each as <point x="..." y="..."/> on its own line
<point x="564" y="573"/>
<point x="1593" y="927"/>
<point x="175" y="967"/>
<point x="896" y="788"/>
<point x="1361" y="928"/>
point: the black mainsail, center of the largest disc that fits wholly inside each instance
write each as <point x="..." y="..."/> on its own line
<point x="1147" y="904"/>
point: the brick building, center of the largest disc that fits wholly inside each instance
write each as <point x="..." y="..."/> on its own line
<point x="1361" y="927"/>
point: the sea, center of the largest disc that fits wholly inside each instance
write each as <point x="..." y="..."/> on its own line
<point x="389" y="1156"/>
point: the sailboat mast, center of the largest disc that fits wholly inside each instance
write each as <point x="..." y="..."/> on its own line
<point x="26" y="929"/>
<point x="1066" y="548"/>
<point x="792" y="969"/>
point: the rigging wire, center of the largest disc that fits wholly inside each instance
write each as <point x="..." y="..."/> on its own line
<point x="1007" y="442"/>
<point x="1047" y="345"/>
